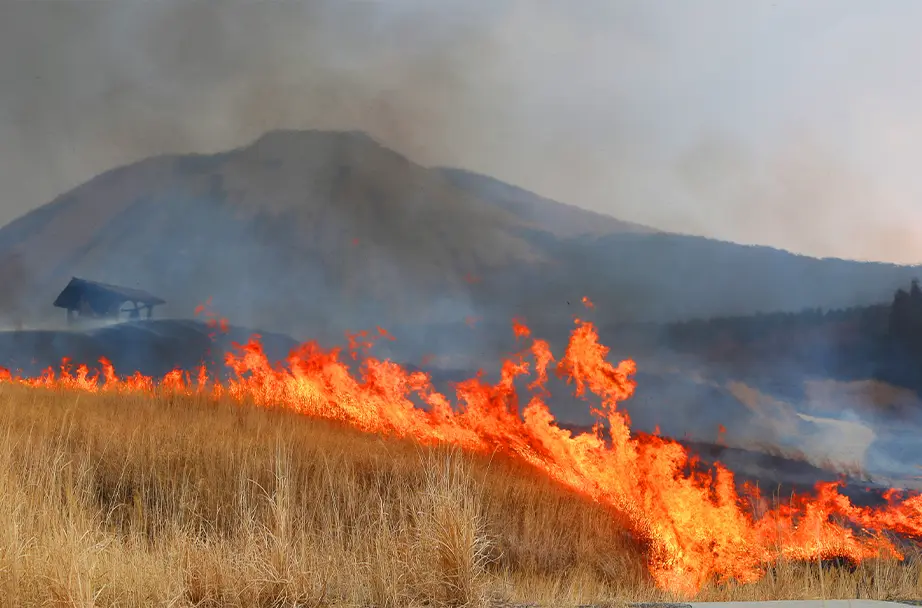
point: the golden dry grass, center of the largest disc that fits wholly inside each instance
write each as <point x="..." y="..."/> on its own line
<point x="129" y="501"/>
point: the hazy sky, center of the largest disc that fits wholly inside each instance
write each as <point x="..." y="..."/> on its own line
<point x="785" y="122"/>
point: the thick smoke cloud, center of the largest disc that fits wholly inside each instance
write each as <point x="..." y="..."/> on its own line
<point x="778" y="122"/>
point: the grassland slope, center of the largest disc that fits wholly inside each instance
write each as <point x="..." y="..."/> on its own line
<point x="113" y="500"/>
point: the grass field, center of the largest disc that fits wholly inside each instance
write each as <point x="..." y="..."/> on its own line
<point x="113" y="500"/>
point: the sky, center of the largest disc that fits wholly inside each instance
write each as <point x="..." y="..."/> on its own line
<point x="778" y="122"/>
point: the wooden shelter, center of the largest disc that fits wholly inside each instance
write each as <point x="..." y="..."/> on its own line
<point x="85" y="300"/>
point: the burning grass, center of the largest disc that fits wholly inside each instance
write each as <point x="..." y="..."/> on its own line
<point x="133" y="499"/>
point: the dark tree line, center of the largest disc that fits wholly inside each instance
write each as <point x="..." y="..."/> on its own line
<point x="779" y="332"/>
<point x="882" y="341"/>
<point x="905" y="323"/>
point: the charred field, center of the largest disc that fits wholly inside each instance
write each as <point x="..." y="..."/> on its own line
<point x="146" y="494"/>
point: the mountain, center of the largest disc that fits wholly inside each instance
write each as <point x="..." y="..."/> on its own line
<point x="301" y="228"/>
<point x="317" y="232"/>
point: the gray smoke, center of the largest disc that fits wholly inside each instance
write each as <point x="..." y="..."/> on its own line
<point x="764" y="122"/>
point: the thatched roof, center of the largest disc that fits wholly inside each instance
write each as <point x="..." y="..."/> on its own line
<point x="70" y="297"/>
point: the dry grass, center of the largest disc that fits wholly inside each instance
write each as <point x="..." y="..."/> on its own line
<point x="126" y="501"/>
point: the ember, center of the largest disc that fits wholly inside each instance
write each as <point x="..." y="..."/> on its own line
<point x="697" y="525"/>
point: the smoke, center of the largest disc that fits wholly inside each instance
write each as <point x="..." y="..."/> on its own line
<point x="99" y="85"/>
<point x="694" y="118"/>
<point x="763" y="122"/>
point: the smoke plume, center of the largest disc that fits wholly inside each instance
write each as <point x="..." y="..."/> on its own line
<point x="748" y="123"/>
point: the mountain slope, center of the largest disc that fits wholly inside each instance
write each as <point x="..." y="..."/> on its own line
<point x="315" y="232"/>
<point x="297" y="230"/>
<point x="288" y="224"/>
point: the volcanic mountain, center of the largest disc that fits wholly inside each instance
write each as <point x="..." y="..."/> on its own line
<point x="316" y="232"/>
<point x="297" y="230"/>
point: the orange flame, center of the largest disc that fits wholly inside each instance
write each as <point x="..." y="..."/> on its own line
<point x="698" y="527"/>
<point x="212" y="319"/>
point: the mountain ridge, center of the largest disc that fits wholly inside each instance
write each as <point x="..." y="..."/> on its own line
<point x="324" y="231"/>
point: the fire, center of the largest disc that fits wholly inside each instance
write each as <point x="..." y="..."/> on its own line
<point x="697" y="525"/>
<point x="212" y="321"/>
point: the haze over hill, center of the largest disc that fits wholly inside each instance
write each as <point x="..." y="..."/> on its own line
<point x="317" y="232"/>
<point x="313" y="233"/>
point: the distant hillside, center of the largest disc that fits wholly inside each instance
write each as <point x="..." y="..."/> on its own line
<point x="315" y="232"/>
<point x="667" y="277"/>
